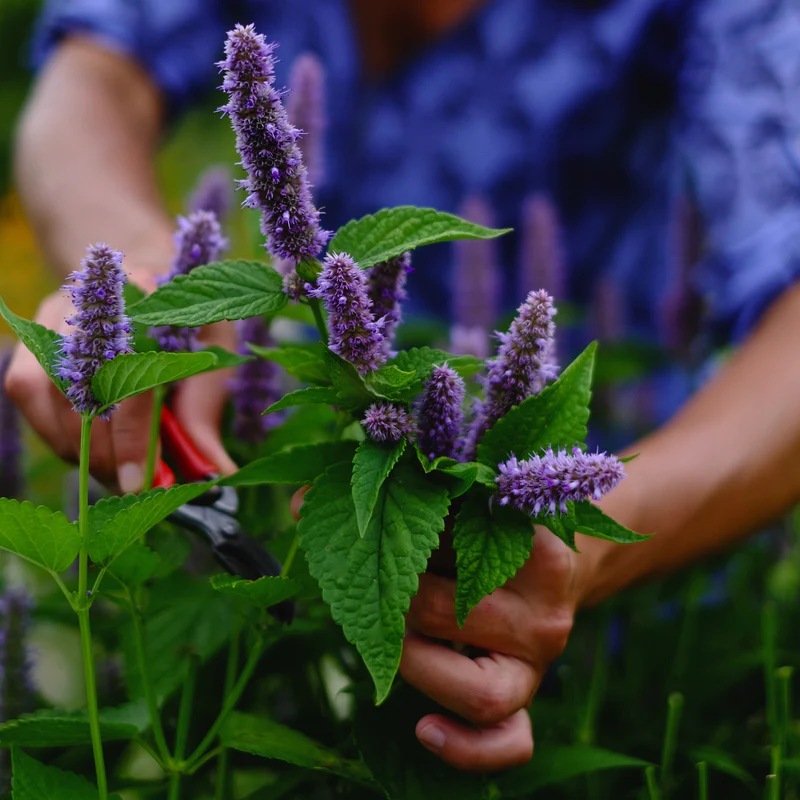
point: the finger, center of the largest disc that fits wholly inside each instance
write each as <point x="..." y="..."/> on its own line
<point x="297" y="501"/>
<point x="484" y="690"/>
<point x="198" y="405"/>
<point x="130" y="435"/>
<point x="508" y="744"/>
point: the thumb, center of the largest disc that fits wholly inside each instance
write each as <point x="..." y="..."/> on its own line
<point x="130" y="428"/>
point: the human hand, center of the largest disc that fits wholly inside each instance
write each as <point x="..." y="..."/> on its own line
<point x="119" y="446"/>
<point x="522" y="627"/>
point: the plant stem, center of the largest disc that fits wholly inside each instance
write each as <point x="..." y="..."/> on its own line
<point x="586" y="732"/>
<point x="221" y="790"/>
<point x="702" y="776"/>
<point x="773" y="790"/>
<point x="316" y="308"/>
<point x="147" y="684"/>
<point x="652" y="783"/>
<point x="82" y="607"/>
<point x="152" y="446"/>
<point x="230" y="701"/>
<point x="287" y="564"/>
<point x="769" y="645"/>
<point x="675" y="709"/>
<point x="182" y="732"/>
<point x="783" y="676"/>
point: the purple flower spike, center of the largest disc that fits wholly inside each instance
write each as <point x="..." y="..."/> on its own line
<point x="277" y="183"/>
<point x="387" y="291"/>
<point x="213" y="192"/>
<point x="198" y="241"/>
<point x="546" y="483"/>
<point x="541" y="248"/>
<point x="15" y="656"/>
<point x="439" y="413"/>
<point x="523" y="365"/>
<point x="102" y="331"/>
<point x="354" y="334"/>
<point x="10" y="441"/>
<point x="385" y="422"/>
<point x="256" y="386"/>
<point x="305" y="108"/>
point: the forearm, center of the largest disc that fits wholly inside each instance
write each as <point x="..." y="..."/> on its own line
<point x="725" y="465"/>
<point x="84" y="159"/>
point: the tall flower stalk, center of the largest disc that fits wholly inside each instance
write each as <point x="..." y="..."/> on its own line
<point x="101" y="333"/>
<point x="213" y="192"/>
<point x="387" y="291"/>
<point x="305" y="108"/>
<point x="439" y="413"/>
<point x="10" y="440"/>
<point x="542" y="252"/>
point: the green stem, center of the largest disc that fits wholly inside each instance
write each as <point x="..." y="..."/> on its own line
<point x="652" y="784"/>
<point x="586" y="733"/>
<point x="82" y="606"/>
<point x="287" y="564"/>
<point x="182" y="732"/>
<point x="230" y="702"/>
<point x="221" y="790"/>
<point x="773" y="789"/>
<point x="702" y="777"/>
<point x="769" y="635"/>
<point x="316" y="309"/>
<point x="155" y="427"/>
<point x="783" y="676"/>
<point x="147" y="684"/>
<point x="675" y="709"/>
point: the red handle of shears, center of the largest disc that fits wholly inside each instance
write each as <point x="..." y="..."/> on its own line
<point x="181" y="451"/>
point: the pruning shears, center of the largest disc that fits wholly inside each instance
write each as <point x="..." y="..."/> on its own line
<point x="213" y="513"/>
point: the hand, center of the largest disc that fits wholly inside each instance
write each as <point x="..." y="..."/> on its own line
<point x="119" y="446"/>
<point x="523" y="627"/>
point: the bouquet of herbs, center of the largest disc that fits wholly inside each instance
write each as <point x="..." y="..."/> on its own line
<point x="418" y="442"/>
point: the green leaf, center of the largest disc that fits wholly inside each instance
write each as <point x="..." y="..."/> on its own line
<point x="422" y="360"/>
<point x="305" y="362"/>
<point x="309" y="396"/>
<point x="263" y="593"/>
<point x="115" y="523"/>
<point x="136" y="565"/>
<point x="269" y="739"/>
<point x="394" y="231"/>
<point x="225" y="359"/>
<point x="588" y="519"/>
<point x="369" y="582"/>
<point x="466" y="474"/>
<point x="132" y="374"/>
<point x="557" y="417"/>
<point x="371" y="467"/>
<point x="294" y="465"/>
<point x="350" y="387"/>
<point x="42" y="342"/>
<point x="722" y="762"/>
<point x="553" y="765"/>
<point x="491" y="542"/>
<point x="43" y="537"/>
<point x="35" y="781"/>
<point x="211" y="293"/>
<point x="560" y="526"/>
<point x="59" y="729"/>
<point x="392" y="383"/>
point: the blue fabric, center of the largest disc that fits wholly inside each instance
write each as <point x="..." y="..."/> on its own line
<point x="618" y="113"/>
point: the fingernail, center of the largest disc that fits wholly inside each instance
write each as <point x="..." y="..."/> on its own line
<point x="432" y="736"/>
<point x="130" y="478"/>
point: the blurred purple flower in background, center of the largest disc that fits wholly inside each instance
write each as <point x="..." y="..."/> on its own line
<point x="305" y="107"/>
<point x="10" y="438"/>
<point x="213" y="192"/>
<point x="439" y="413"/>
<point x="386" y="287"/>
<point x="541" y="251"/>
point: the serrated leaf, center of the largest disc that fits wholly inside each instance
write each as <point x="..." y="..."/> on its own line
<point x="491" y="542"/>
<point x="559" y="525"/>
<point x="211" y="293"/>
<point x="422" y="360"/>
<point x="392" y="382"/>
<point x="136" y="565"/>
<point x="34" y="781"/>
<point x="59" y="730"/>
<point x="42" y="342"/>
<point x="312" y="395"/>
<point x="305" y="362"/>
<point x="269" y="739"/>
<point x="350" y="387"/>
<point x="553" y="765"/>
<point x="43" y="537"/>
<point x="300" y="464"/>
<point x="263" y="592"/>
<point x="394" y="231"/>
<point x="557" y="417"/>
<point x="588" y="519"/>
<point x="134" y="373"/>
<point x="368" y="582"/>
<point x="372" y="464"/>
<point x="115" y="523"/>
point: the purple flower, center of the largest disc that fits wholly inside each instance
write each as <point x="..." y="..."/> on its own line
<point x="305" y="108"/>
<point x="470" y="341"/>
<point x="354" y="334"/>
<point x="10" y="441"/>
<point x="256" y="386"/>
<point x="102" y="331"/>
<point x="387" y="422"/>
<point x="198" y="241"/>
<point x="546" y="483"/>
<point x="439" y="413"/>
<point x="523" y="365"/>
<point x="387" y="291"/>
<point x="213" y="192"/>
<point x="542" y="252"/>
<point x="276" y="182"/>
